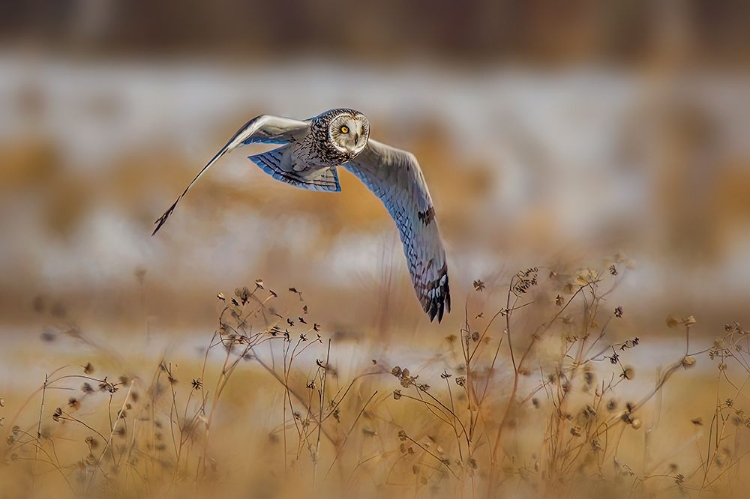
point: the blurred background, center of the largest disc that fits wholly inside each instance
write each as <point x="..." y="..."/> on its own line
<point x="552" y="134"/>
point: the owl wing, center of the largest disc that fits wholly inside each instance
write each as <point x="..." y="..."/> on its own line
<point x="263" y="129"/>
<point x="395" y="177"/>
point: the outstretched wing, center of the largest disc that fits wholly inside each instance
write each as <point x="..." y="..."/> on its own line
<point x="263" y="129"/>
<point x="395" y="177"/>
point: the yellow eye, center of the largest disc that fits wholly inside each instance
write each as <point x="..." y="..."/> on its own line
<point x="344" y="129"/>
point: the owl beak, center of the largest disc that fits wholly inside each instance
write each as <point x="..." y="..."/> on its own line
<point x="356" y="138"/>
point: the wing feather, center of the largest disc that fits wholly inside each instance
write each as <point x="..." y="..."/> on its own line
<point x="262" y="129"/>
<point x="396" y="178"/>
<point x="278" y="164"/>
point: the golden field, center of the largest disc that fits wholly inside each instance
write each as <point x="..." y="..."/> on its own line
<point x="548" y="391"/>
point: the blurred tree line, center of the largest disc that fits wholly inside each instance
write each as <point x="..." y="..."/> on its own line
<point x="544" y="31"/>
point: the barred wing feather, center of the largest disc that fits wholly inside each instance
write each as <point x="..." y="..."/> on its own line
<point x="262" y="129"/>
<point x="395" y="177"/>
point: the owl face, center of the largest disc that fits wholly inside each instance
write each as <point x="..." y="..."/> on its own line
<point x="349" y="132"/>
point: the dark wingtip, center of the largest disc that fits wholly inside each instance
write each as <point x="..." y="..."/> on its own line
<point x="447" y="290"/>
<point x="437" y="308"/>
<point x="163" y="219"/>
<point x="432" y="311"/>
<point x="441" y="304"/>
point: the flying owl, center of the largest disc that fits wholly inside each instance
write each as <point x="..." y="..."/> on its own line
<point x="310" y="153"/>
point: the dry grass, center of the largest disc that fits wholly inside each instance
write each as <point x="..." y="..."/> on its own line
<point x="534" y="398"/>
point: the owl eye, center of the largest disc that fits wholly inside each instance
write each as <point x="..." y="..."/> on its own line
<point x="344" y="129"/>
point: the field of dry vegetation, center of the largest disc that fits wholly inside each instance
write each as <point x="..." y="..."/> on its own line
<point x="550" y="134"/>
<point x="537" y="395"/>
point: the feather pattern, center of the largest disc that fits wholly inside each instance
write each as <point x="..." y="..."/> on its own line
<point x="396" y="178"/>
<point x="279" y="164"/>
<point x="264" y="128"/>
<point x="310" y="153"/>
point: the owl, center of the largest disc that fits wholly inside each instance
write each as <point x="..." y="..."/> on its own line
<point x="310" y="153"/>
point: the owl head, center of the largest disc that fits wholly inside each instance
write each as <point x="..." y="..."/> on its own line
<point x="348" y="131"/>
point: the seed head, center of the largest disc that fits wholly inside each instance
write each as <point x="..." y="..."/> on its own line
<point x="525" y="280"/>
<point x="688" y="361"/>
<point x="611" y="405"/>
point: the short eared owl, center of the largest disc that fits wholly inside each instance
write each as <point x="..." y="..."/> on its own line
<point x="311" y="151"/>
